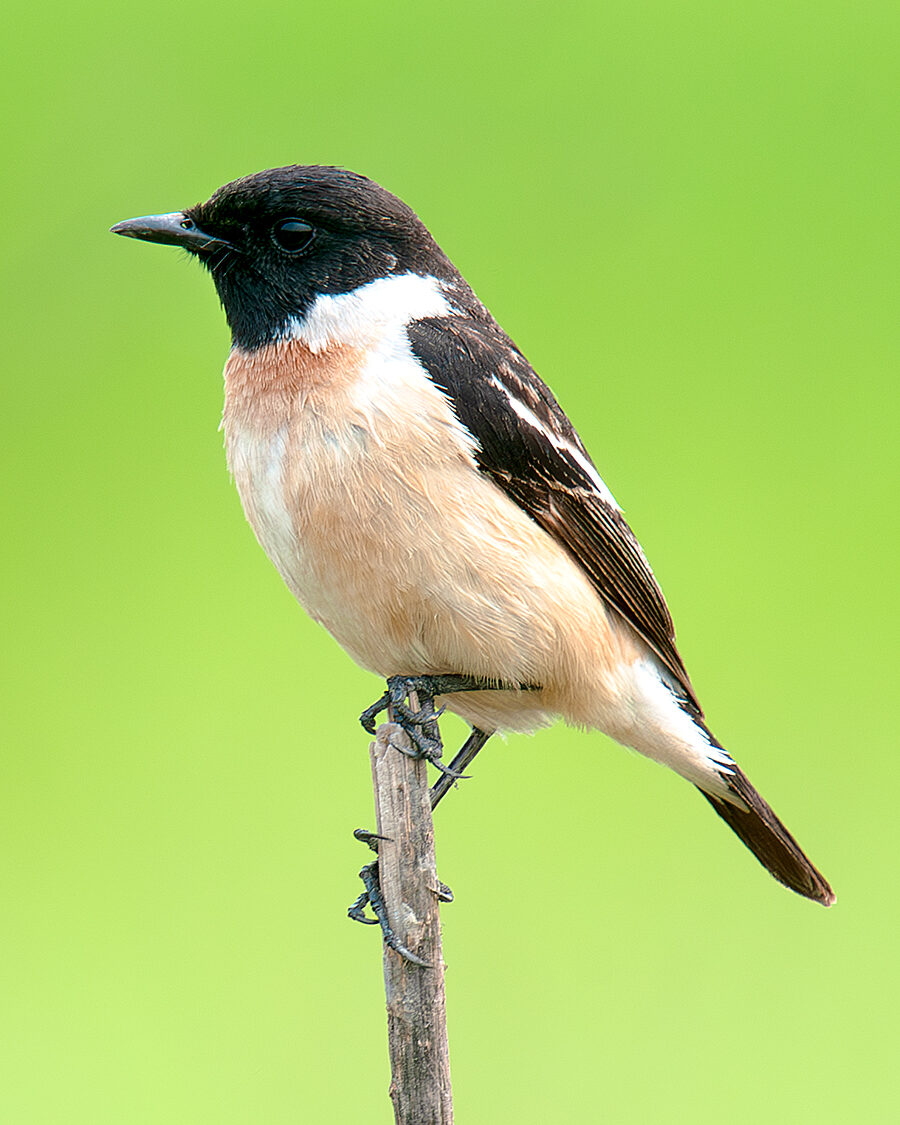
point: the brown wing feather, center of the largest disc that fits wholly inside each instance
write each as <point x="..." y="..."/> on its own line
<point x="605" y="547"/>
<point x="530" y="449"/>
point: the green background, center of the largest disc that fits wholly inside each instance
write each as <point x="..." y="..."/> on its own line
<point x="685" y="214"/>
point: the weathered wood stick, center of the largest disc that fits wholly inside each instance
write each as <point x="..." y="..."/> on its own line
<point x="417" y="1021"/>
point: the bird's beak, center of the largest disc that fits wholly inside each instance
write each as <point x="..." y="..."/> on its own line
<point x="175" y="229"/>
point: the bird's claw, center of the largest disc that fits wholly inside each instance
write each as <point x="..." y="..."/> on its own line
<point x="422" y="727"/>
<point x="426" y="688"/>
<point x="369" y="838"/>
<point x="357" y="910"/>
<point x="372" y="896"/>
<point x="431" y="750"/>
<point x="368" y="717"/>
<point x="443" y="892"/>
<point x="420" y="724"/>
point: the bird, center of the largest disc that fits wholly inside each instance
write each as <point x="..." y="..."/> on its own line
<point x="424" y="496"/>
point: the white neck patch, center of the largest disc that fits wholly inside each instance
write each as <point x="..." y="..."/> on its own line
<point x="365" y="314"/>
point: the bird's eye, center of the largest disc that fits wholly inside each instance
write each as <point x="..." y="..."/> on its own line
<point x="292" y="235"/>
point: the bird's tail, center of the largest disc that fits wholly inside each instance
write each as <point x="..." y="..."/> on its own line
<point x="768" y="839"/>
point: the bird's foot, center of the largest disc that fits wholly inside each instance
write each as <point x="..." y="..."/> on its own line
<point x="357" y="909"/>
<point x="421" y="722"/>
<point x="425" y="687"/>
<point x="373" y="897"/>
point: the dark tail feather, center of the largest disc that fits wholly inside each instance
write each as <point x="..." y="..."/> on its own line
<point x="769" y="840"/>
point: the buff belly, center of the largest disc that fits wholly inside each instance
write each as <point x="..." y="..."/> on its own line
<point x="428" y="568"/>
<point x="366" y="496"/>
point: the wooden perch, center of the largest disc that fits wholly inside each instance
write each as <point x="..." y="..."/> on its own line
<point x="417" y="1021"/>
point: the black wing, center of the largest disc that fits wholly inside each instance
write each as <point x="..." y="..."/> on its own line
<point x="530" y="449"/>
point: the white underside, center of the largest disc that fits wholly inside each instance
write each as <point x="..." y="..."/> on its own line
<point x="369" y="503"/>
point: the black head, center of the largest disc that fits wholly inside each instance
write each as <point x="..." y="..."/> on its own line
<point x="275" y="241"/>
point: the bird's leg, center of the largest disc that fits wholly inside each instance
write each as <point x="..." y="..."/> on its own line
<point x="369" y="875"/>
<point x="399" y="688"/>
<point x="428" y="744"/>
<point x="464" y="758"/>
<point x="372" y="896"/>
<point x="418" y="717"/>
<point x="421" y="722"/>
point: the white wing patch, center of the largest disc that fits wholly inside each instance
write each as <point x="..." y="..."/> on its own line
<point x="558" y="442"/>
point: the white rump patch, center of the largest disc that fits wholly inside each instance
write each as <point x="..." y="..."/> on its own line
<point x="365" y="314"/>
<point x="558" y="442"/>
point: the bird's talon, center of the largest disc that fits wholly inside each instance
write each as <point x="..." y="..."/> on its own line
<point x="447" y="771"/>
<point x="371" y="896"/>
<point x="369" y="838"/>
<point x="443" y="892"/>
<point x="356" y="911"/>
<point x="368" y="717"/>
